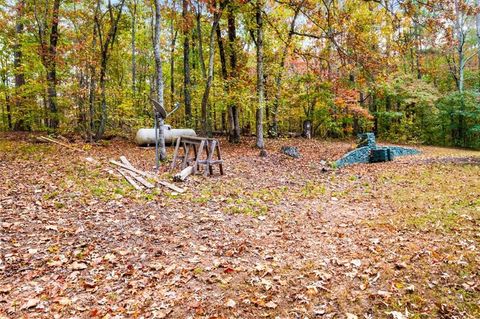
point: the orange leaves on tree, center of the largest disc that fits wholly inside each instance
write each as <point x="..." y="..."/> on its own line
<point x="347" y="101"/>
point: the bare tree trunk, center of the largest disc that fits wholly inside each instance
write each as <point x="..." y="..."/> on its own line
<point x="223" y="64"/>
<point x="186" y="65"/>
<point x="221" y="51"/>
<point x="459" y="22"/>
<point x="199" y="35"/>
<point x="173" y="34"/>
<point x="105" y="46"/>
<point x="416" y="29"/>
<point x="8" y="123"/>
<point x="260" y="83"/>
<point x="134" y="50"/>
<point x="159" y="77"/>
<point x="52" y="70"/>
<point x="48" y="55"/>
<point x="273" y="131"/>
<point x="234" y="132"/>
<point x="92" y="89"/>
<point x="17" y="59"/>
<point x="477" y="26"/>
<point x="206" y="129"/>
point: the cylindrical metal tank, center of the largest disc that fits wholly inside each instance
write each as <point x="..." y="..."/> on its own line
<point x="146" y="136"/>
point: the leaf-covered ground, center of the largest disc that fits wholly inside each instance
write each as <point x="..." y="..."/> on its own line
<point x="276" y="237"/>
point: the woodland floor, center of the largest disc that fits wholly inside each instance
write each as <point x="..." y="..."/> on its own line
<point x="276" y="237"/>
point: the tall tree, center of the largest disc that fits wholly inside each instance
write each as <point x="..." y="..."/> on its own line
<point x="223" y="66"/>
<point x="17" y="58"/>
<point x="477" y="29"/>
<point x="273" y="131"/>
<point x="105" y="43"/>
<point x="133" y="12"/>
<point x="198" y="16"/>
<point x="186" y="63"/>
<point x="159" y="77"/>
<point x="173" y="40"/>
<point x="48" y="53"/>
<point x="234" y="131"/>
<point x="205" y="127"/>
<point x="260" y="75"/>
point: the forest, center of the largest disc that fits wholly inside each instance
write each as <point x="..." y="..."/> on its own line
<point x="408" y="70"/>
<point x="197" y="159"/>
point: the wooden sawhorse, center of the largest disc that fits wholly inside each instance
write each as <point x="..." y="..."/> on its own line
<point x="199" y="146"/>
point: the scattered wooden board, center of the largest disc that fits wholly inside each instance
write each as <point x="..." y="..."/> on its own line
<point x="140" y="179"/>
<point x="171" y="186"/>
<point x="129" y="179"/>
<point x="147" y="175"/>
<point x="133" y="169"/>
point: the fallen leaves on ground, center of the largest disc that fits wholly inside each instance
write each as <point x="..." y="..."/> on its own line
<point x="273" y="237"/>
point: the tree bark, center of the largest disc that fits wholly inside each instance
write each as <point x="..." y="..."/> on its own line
<point x="273" y="131"/>
<point x="460" y="45"/>
<point x="48" y="55"/>
<point x="459" y="23"/>
<point x="186" y="65"/>
<point x="223" y="64"/>
<point x="221" y="51"/>
<point x="159" y="77"/>
<point x="260" y="84"/>
<point x="105" y="45"/>
<point x="92" y="88"/>
<point x="18" y="59"/>
<point x="7" y="102"/>
<point x="52" y="67"/>
<point x="134" y="49"/>
<point x="234" y="132"/>
<point x="477" y="27"/>
<point x="205" y="127"/>
<point x="199" y="35"/>
<point x="173" y="34"/>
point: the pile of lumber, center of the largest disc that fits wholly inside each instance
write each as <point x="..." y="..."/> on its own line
<point x="139" y="179"/>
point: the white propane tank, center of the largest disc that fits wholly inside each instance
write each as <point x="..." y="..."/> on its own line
<point x="146" y="136"/>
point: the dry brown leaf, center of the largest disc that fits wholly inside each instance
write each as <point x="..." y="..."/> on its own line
<point x="31" y="303"/>
<point x="230" y="303"/>
<point x="78" y="266"/>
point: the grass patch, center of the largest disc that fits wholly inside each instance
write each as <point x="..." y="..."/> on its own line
<point x="442" y="200"/>
<point x="13" y="150"/>
<point x="438" y="197"/>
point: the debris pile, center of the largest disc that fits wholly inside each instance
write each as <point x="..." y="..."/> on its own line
<point x="368" y="152"/>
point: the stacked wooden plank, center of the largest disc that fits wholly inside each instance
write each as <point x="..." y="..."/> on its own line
<point x="135" y="176"/>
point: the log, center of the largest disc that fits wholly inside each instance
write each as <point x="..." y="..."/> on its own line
<point x="130" y="180"/>
<point x="145" y="174"/>
<point x="180" y="177"/>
